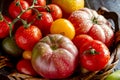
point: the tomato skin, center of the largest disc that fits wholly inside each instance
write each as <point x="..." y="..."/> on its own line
<point x="54" y="57"/>
<point x="24" y="66"/>
<point x="81" y="39"/>
<point x="27" y="55"/>
<point x="64" y="27"/>
<point x="55" y="11"/>
<point x="43" y="22"/>
<point x="4" y="27"/>
<point x="88" y="21"/>
<point x="26" y="38"/>
<point x="10" y="47"/>
<point x="96" y="61"/>
<point x="15" y="10"/>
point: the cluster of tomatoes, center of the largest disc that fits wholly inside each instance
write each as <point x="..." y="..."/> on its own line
<point x="52" y="45"/>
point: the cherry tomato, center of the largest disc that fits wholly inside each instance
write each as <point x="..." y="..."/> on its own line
<point x="10" y="47"/>
<point x="54" y="10"/>
<point x="64" y="27"/>
<point x="43" y="21"/>
<point x="15" y="9"/>
<point x="38" y="2"/>
<point x="4" y="27"/>
<point x="26" y="38"/>
<point x="81" y="39"/>
<point x="27" y="55"/>
<point x="94" y="55"/>
<point x="24" y="66"/>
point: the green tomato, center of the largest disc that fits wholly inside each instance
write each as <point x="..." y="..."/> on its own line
<point x="10" y="47"/>
<point x="114" y="76"/>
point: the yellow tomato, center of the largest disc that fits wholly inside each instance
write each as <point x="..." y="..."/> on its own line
<point x="64" y="27"/>
<point x="27" y="55"/>
<point x="69" y="6"/>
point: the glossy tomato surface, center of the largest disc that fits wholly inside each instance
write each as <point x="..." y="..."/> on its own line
<point x="94" y="55"/>
<point x="4" y="27"/>
<point x="55" y="56"/>
<point x="24" y="66"/>
<point x="15" y="8"/>
<point x="26" y="38"/>
<point x="54" y="10"/>
<point x="43" y="21"/>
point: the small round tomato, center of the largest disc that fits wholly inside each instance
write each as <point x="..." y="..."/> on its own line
<point x="54" y="10"/>
<point x="27" y="55"/>
<point x="38" y="2"/>
<point x="94" y="55"/>
<point x="26" y="38"/>
<point x="43" y="20"/>
<point x="64" y="27"/>
<point x="4" y="27"/>
<point x="10" y="47"/>
<point x="15" y="9"/>
<point x="25" y="66"/>
<point x="80" y="40"/>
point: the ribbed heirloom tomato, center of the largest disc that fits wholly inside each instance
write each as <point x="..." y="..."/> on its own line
<point x="54" y="57"/>
<point x="88" y="21"/>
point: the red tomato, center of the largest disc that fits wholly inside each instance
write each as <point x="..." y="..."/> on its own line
<point x="87" y="21"/>
<point x="54" y="10"/>
<point x="54" y="57"/>
<point x="26" y="38"/>
<point x="94" y="55"/>
<point x="43" y="21"/>
<point x="38" y="2"/>
<point x="4" y="27"/>
<point x="24" y="66"/>
<point x="15" y="9"/>
<point x="80" y="40"/>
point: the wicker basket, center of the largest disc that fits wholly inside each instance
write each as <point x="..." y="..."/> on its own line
<point x="8" y="72"/>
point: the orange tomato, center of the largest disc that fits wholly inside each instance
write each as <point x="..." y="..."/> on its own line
<point x="64" y="27"/>
<point x="27" y="55"/>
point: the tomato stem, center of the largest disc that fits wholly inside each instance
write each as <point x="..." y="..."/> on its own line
<point x="91" y="51"/>
<point x="94" y="20"/>
<point x="1" y="17"/>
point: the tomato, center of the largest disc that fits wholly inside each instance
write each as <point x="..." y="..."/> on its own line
<point x="10" y="47"/>
<point x="54" y="56"/>
<point x="54" y="10"/>
<point x="38" y="2"/>
<point x="69" y="6"/>
<point x="64" y="27"/>
<point x="26" y="38"/>
<point x="4" y="27"/>
<point x="80" y="40"/>
<point x="43" y="20"/>
<point x="94" y="55"/>
<point x="15" y="9"/>
<point x="24" y="66"/>
<point x="87" y="21"/>
<point x="27" y="55"/>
